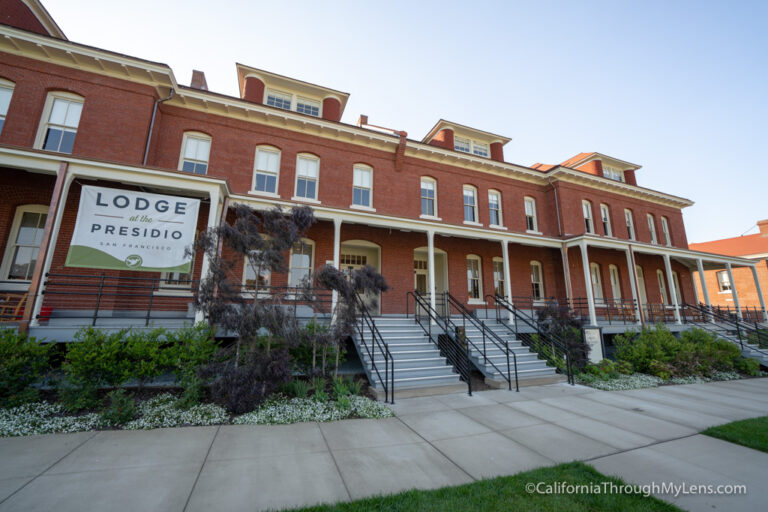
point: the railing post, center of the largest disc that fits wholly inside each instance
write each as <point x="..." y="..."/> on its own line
<point x="485" y="351"/>
<point x="98" y="301"/>
<point x="151" y="298"/>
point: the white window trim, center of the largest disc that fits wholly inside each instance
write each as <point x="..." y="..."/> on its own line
<point x="500" y="225"/>
<point x="472" y="144"/>
<point x="605" y="219"/>
<point x="271" y="149"/>
<point x="311" y="244"/>
<point x="651" y="221"/>
<point x="496" y="260"/>
<point x="538" y="264"/>
<point x="257" y="292"/>
<point x="294" y="101"/>
<point x="719" y="283"/>
<point x="436" y="216"/>
<point x="369" y="208"/>
<point x="476" y="212"/>
<point x="590" y="218"/>
<point x="678" y="290"/>
<point x="613" y="270"/>
<point x="631" y="224"/>
<point x="296" y="197"/>
<point x="5" y="268"/>
<point x="662" y="281"/>
<point x="535" y="217"/>
<point x="665" y="231"/>
<point x="7" y="84"/>
<point x="479" y="300"/>
<point x="42" y="127"/>
<point x="597" y="287"/>
<point x="195" y="135"/>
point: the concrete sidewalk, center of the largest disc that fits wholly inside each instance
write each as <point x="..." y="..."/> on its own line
<point x="644" y="436"/>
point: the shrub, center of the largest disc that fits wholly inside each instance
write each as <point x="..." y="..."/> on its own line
<point x="23" y="362"/>
<point x="340" y="388"/>
<point x="355" y="387"/>
<point x="190" y="348"/>
<point x="298" y="388"/>
<point x="146" y="355"/>
<point x="120" y="408"/>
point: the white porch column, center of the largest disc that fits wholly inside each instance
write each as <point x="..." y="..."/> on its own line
<point x="51" y="248"/>
<point x="507" y="276"/>
<point x="588" y="283"/>
<point x="336" y="258"/>
<point x="759" y="292"/>
<point x="431" y="269"/>
<point x="704" y="291"/>
<point x="214" y="218"/>
<point x="672" y="290"/>
<point x="633" y="284"/>
<point x="734" y="293"/>
<point x="695" y="287"/>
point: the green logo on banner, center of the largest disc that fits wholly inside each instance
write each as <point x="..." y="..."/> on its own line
<point x="133" y="261"/>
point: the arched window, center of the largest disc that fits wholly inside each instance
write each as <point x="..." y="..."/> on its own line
<point x="58" y="126"/>
<point x="470" y="204"/>
<point x="307" y="177"/>
<point x="474" y="278"/>
<point x="24" y="242"/>
<point x="630" y="223"/>
<point x="665" y="231"/>
<point x="498" y="277"/>
<point x="301" y="262"/>
<point x="266" y="170"/>
<point x="613" y="270"/>
<point x="605" y="216"/>
<point x="597" y="282"/>
<point x="195" y="152"/>
<point x="428" y="197"/>
<point x="537" y="281"/>
<point x="494" y="208"/>
<point x="586" y="208"/>
<point x="6" y="92"/>
<point x="652" y="228"/>
<point x="662" y="286"/>
<point x="641" y="291"/>
<point x="678" y="290"/>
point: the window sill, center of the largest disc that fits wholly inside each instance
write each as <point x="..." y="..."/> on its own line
<point x="170" y="292"/>
<point x="264" y="194"/>
<point x="361" y="207"/>
<point x="429" y="217"/>
<point x="305" y="200"/>
<point x="493" y="226"/>
<point x="476" y="302"/>
<point x="533" y="232"/>
<point x="15" y="286"/>
<point x="472" y="223"/>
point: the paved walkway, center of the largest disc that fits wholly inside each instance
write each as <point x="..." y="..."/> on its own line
<point x="644" y="436"/>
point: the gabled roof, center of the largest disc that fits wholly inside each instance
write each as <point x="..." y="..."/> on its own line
<point x="737" y="246"/>
<point x="582" y="158"/>
<point x="464" y="131"/>
<point x="44" y="17"/>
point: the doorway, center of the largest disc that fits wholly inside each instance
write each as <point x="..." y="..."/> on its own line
<point x="354" y="255"/>
<point x="421" y="274"/>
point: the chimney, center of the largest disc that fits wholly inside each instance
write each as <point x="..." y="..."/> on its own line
<point x="198" y="80"/>
<point x="763" y="225"/>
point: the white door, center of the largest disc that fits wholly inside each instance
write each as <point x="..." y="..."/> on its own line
<point x="349" y="261"/>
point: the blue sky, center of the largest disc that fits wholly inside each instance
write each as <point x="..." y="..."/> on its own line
<point x="677" y="87"/>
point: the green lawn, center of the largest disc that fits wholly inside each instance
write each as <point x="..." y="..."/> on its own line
<point x="509" y="494"/>
<point x="750" y="433"/>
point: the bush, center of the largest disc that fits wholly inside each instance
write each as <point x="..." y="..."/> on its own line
<point x="189" y="349"/>
<point x="146" y="355"/>
<point x="120" y="408"/>
<point x="298" y="388"/>
<point x="23" y="362"/>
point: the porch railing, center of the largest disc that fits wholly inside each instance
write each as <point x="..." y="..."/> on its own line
<point x="376" y="347"/>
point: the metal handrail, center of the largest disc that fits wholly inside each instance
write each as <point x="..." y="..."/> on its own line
<point x="555" y="341"/>
<point x="487" y="334"/>
<point x="377" y="342"/>
<point x="453" y="350"/>
<point x="740" y="326"/>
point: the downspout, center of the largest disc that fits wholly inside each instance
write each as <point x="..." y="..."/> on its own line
<point x="152" y="125"/>
<point x="557" y="207"/>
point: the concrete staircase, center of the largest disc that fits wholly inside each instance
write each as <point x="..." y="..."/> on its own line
<point x="530" y="369"/>
<point x="419" y="367"/>
<point x="727" y="332"/>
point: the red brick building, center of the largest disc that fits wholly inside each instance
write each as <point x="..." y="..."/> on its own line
<point x="444" y="212"/>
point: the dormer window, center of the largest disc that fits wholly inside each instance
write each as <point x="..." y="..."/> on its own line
<point x="470" y="146"/>
<point x="288" y="101"/>
<point x="613" y="173"/>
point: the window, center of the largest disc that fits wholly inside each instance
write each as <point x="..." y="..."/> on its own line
<point x="362" y="186"/>
<point x="597" y="282"/>
<point x="613" y="173"/>
<point x="537" y="281"/>
<point x="662" y="287"/>
<point x="630" y="224"/>
<point x="307" y="172"/>
<point x="586" y="207"/>
<point x="613" y="270"/>
<point x="494" y="208"/>
<point x="470" y="204"/>
<point x="289" y="101"/>
<point x="195" y="150"/>
<point x="678" y="291"/>
<point x="428" y="197"/>
<point x="61" y="117"/>
<point x="6" y="91"/>
<point x="474" y="281"/>
<point x="652" y="228"/>
<point x="531" y="224"/>
<point x="181" y="280"/>
<point x="498" y="277"/>
<point x="24" y="242"/>
<point x="255" y="277"/>
<point x="641" y="291"/>
<point x="470" y="146"/>
<point x="302" y="256"/>
<point x="279" y="99"/>
<point x="267" y="171"/>
<point x="605" y="215"/>
<point x="723" y="281"/>
<point x="665" y="231"/>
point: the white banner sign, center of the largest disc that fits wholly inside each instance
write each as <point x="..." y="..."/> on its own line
<point x="129" y="230"/>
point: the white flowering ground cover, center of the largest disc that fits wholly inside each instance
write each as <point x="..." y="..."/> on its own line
<point x="162" y="412"/>
<point x="641" y="380"/>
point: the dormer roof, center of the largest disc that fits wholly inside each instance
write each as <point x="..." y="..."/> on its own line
<point x="464" y="131"/>
<point x="284" y="83"/>
<point x="583" y="158"/>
